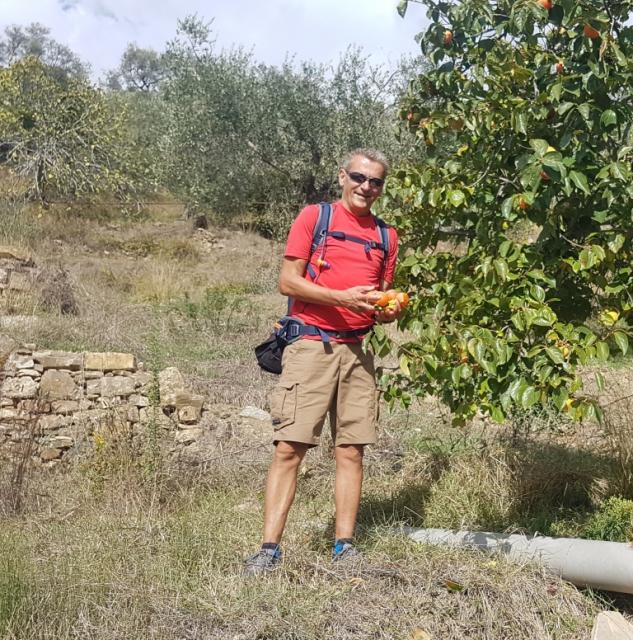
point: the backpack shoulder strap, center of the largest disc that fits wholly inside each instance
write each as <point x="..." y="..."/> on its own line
<point x="322" y="226"/>
<point x="383" y="232"/>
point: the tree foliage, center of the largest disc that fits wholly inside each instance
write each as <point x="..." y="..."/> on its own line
<point x="139" y="70"/>
<point x="34" y="41"/>
<point x="526" y="117"/>
<point x="61" y="135"/>
<point x="242" y="137"/>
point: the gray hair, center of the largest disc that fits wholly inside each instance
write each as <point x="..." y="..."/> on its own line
<point x="371" y="154"/>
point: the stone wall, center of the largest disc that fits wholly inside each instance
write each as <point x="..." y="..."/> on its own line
<point x="58" y="400"/>
<point x="17" y="270"/>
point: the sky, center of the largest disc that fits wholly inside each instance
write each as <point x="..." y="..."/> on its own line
<point x="319" y="30"/>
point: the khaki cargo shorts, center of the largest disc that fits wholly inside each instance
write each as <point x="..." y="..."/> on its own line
<point x="318" y="378"/>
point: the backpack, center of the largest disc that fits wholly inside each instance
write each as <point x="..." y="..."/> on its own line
<point x="288" y="329"/>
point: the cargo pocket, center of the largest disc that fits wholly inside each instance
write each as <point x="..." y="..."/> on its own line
<point x="283" y="405"/>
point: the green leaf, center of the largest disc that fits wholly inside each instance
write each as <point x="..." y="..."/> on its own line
<point x="555" y="355"/>
<point x="529" y="397"/>
<point x="622" y="341"/>
<point x="580" y="180"/>
<point x="501" y="267"/>
<point x="600" y="382"/>
<point x="402" y="7"/>
<point x="521" y="122"/>
<point x="477" y="349"/>
<point x="539" y="145"/>
<point x="559" y="397"/>
<point x="602" y="351"/>
<point x="497" y="415"/>
<point x="537" y="292"/>
<point x="456" y="197"/>
<point x="608" y="118"/>
<point x="404" y="365"/>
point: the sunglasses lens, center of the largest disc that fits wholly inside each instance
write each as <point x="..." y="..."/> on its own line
<point x="360" y="178"/>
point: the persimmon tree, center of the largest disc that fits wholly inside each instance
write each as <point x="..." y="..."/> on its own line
<point x="525" y="123"/>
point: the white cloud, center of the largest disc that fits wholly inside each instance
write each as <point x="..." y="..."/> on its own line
<point x="99" y="30"/>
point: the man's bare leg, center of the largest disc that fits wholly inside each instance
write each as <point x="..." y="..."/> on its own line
<point x="280" y="487"/>
<point x="349" y="481"/>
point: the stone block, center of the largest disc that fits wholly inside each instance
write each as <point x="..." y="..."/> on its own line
<point x="154" y="414"/>
<point x="58" y="385"/>
<point x="187" y="436"/>
<point x="60" y="442"/>
<point x="255" y="413"/>
<point x="59" y="360"/>
<point x="189" y="414"/>
<point x="52" y="422"/>
<point x="64" y="406"/>
<point x="14" y="253"/>
<point x="612" y="625"/>
<point x="4" y="276"/>
<point x="181" y="399"/>
<point x="19" y="388"/>
<point x="127" y="413"/>
<point x="19" y="361"/>
<point x="116" y="386"/>
<point x="8" y="414"/>
<point x="49" y="454"/>
<point x="20" y="281"/>
<point x="170" y="381"/>
<point x="109" y="361"/>
<point x="35" y="405"/>
<point x="90" y="417"/>
<point x="93" y="375"/>
<point x="139" y="400"/>
<point x="29" y="373"/>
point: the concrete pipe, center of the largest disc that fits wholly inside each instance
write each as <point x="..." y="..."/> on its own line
<point x="585" y="563"/>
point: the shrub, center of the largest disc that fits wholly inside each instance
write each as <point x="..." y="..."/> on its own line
<point x="613" y="521"/>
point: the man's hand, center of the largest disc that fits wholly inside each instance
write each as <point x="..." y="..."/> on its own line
<point x="389" y="314"/>
<point x="358" y="299"/>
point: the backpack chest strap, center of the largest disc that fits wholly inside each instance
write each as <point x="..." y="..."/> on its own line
<point x="367" y="244"/>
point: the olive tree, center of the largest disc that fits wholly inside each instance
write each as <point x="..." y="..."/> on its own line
<point x="61" y="134"/>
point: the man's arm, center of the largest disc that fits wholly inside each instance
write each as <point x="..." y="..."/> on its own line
<point x="293" y="284"/>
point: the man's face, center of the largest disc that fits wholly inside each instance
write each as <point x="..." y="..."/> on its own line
<point x="358" y="196"/>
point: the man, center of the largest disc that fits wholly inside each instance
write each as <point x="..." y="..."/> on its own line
<point x="335" y="375"/>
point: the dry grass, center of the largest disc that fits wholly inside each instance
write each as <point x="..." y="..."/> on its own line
<point x="121" y="558"/>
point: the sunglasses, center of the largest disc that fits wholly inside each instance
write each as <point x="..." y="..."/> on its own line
<point x="361" y="178"/>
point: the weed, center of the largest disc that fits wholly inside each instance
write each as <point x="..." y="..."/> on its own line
<point x="17" y="474"/>
<point x="612" y="521"/>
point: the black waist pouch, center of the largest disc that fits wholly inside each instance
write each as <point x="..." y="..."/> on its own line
<point x="270" y="352"/>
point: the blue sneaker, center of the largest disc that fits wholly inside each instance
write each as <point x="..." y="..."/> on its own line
<point x="344" y="551"/>
<point x="264" y="561"/>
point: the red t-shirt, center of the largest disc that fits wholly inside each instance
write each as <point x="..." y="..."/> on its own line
<point x="350" y="265"/>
